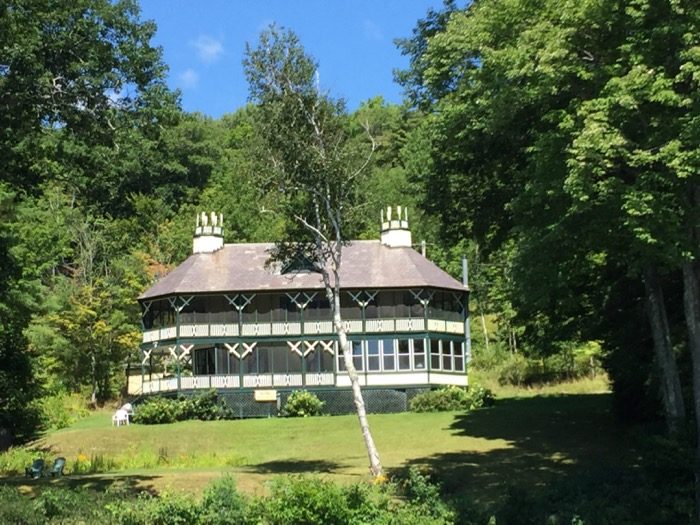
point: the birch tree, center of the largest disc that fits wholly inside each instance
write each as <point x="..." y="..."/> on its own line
<point x="315" y="171"/>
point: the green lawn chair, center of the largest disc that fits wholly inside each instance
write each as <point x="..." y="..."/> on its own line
<point x="57" y="469"/>
<point x="36" y="470"/>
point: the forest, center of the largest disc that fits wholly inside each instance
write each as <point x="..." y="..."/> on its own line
<point x="555" y="143"/>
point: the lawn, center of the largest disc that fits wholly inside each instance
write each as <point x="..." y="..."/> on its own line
<point x="533" y="441"/>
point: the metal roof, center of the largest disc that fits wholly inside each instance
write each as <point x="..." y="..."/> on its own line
<point x="242" y="267"/>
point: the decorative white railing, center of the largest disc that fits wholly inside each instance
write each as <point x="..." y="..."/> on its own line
<point x="310" y="328"/>
<point x="257" y="381"/>
<point x="287" y="380"/>
<point x="320" y="379"/>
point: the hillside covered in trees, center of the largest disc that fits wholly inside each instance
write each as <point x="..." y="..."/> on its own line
<point x="555" y="143"/>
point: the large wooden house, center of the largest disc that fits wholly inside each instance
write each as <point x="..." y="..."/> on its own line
<point x="228" y="319"/>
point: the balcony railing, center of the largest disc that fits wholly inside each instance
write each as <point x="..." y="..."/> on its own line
<point x="295" y="328"/>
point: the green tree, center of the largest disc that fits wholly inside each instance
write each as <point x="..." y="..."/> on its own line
<point x="571" y="128"/>
<point x="315" y="169"/>
<point x="17" y="385"/>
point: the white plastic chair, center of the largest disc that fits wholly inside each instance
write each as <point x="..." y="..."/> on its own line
<point x="120" y="417"/>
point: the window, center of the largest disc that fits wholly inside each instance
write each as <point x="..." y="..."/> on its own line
<point x="387" y="308"/>
<point x="459" y="357"/>
<point x="404" y="355"/>
<point x="373" y="355"/>
<point x="446" y="354"/>
<point x="357" y="355"/>
<point x="435" y="363"/>
<point x="388" y="354"/>
<point x="418" y="354"/>
<point x="320" y="360"/>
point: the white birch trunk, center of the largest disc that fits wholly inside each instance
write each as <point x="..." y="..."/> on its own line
<point x="375" y="464"/>
<point x="674" y="407"/>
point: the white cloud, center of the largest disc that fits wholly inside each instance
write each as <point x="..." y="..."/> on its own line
<point x="189" y="79"/>
<point x="372" y="30"/>
<point x="208" y="49"/>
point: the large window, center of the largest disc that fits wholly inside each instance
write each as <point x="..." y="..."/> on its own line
<point x="418" y="354"/>
<point x="373" y="355"/>
<point x="388" y="354"/>
<point x="357" y="354"/>
<point x="404" y="354"/>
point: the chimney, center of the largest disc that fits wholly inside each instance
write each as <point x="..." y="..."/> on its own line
<point x="395" y="232"/>
<point x="209" y="233"/>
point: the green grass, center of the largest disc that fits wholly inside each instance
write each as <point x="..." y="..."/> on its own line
<point x="532" y="440"/>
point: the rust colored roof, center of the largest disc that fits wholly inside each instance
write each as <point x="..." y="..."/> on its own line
<point x="241" y="267"/>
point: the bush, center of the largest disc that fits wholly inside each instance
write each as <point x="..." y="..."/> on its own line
<point x="451" y="398"/>
<point x="301" y="403"/>
<point x="204" y="406"/>
<point x="61" y="410"/>
<point x="223" y="504"/>
<point x="158" y="410"/>
<point x="479" y="397"/>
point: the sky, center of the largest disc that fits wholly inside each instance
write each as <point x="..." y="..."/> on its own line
<point x="352" y="40"/>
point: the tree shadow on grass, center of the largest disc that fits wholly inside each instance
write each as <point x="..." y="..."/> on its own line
<point x="127" y="484"/>
<point x="530" y="442"/>
<point x="293" y="467"/>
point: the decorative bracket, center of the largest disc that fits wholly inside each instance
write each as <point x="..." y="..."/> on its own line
<point x="369" y="297"/>
<point x="239" y="301"/>
<point x="247" y="349"/>
<point x="294" y="347"/>
<point x="185" y="302"/>
<point x="423" y="297"/>
<point x="233" y="349"/>
<point x="302" y="299"/>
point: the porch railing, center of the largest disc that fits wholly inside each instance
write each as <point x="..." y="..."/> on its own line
<point x="295" y="328"/>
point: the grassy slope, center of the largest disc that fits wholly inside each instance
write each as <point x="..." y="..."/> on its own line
<point x="527" y="440"/>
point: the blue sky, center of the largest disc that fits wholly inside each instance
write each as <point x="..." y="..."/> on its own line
<point x="204" y="41"/>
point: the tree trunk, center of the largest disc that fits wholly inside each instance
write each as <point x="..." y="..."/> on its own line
<point x="375" y="464"/>
<point x="691" y="303"/>
<point x="674" y="409"/>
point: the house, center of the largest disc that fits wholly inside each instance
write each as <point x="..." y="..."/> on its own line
<point x="228" y="319"/>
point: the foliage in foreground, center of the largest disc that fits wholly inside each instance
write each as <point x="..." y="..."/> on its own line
<point x="292" y="501"/>
<point x="302" y="403"/>
<point x="452" y="398"/>
<point x="657" y="491"/>
<point x="204" y="406"/>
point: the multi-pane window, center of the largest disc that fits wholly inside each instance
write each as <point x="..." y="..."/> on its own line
<point x="388" y="354"/>
<point x="435" y="363"/>
<point x="404" y="354"/>
<point x="418" y="354"/>
<point x="446" y="352"/>
<point x="373" y="355"/>
<point x="459" y="357"/>
<point x="357" y="355"/>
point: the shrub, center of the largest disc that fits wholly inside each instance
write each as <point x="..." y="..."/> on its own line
<point x="301" y="403"/>
<point x="223" y="504"/>
<point x="15" y="460"/>
<point x="167" y="509"/>
<point x="451" y="398"/>
<point x="158" y="410"/>
<point x="517" y="370"/>
<point x="205" y="406"/>
<point x="443" y="399"/>
<point x="14" y="508"/>
<point x="61" y="410"/>
<point x="479" y="397"/>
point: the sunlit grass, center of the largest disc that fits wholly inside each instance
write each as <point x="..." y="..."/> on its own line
<point x="534" y="438"/>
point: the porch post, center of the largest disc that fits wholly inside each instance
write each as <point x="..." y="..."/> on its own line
<point x="177" y="344"/>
